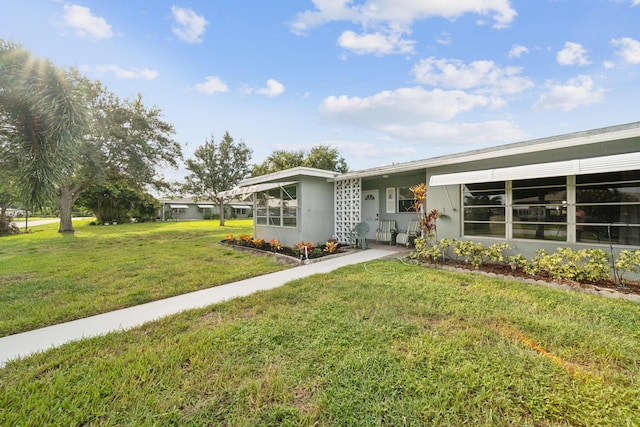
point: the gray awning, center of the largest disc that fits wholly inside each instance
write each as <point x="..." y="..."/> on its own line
<point x="241" y="191"/>
<point x="618" y="162"/>
<point x="206" y="206"/>
<point x="179" y="206"/>
<point x="240" y="206"/>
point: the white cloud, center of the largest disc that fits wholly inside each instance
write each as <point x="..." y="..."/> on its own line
<point x="368" y="150"/>
<point x="384" y="22"/>
<point x="125" y="74"/>
<point x="273" y="88"/>
<point x="572" y="54"/>
<point x="400" y="13"/>
<point x="452" y="134"/>
<point x="376" y="43"/>
<point x="212" y="85"/>
<point x="580" y="91"/>
<point x="190" y="26"/>
<point x="86" y="24"/>
<point x="481" y="76"/>
<point x="517" y="51"/>
<point x="629" y="49"/>
<point x="404" y="107"/>
<point x="635" y="3"/>
<point x="444" y="39"/>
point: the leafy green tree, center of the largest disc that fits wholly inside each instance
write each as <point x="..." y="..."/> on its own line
<point x="327" y="158"/>
<point x="117" y="201"/>
<point x="279" y="160"/>
<point x="319" y="157"/>
<point x="128" y="141"/>
<point x="216" y="168"/>
<point x="42" y="123"/>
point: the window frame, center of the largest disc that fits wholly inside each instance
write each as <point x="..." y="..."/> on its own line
<point x="400" y="200"/>
<point x="568" y="209"/>
<point x="499" y="191"/>
<point x="277" y="207"/>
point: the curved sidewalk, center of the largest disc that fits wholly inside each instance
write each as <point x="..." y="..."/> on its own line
<point x="23" y="344"/>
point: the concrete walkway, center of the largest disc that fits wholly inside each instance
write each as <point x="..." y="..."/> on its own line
<point x="20" y="345"/>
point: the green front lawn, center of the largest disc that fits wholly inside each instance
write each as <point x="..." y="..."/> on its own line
<point x="381" y="343"/>
<point x="47" y="277"/>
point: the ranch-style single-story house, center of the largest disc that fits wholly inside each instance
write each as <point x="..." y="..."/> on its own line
<point x="577" y="190"/>
<point x="185" y="209"/>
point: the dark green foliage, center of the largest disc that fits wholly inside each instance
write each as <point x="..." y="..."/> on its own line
<point x="319" y="157"/>
<point x="118" y="202"/>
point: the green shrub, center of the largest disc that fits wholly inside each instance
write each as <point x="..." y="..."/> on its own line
<point x="527" y="266"/>
<point x="628" y="261"/>
<point x="565" y="263"/>
<point x="471" y="251"/>
<point x="495" y="252"/>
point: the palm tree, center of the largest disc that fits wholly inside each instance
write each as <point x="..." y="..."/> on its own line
<point x="42" y="122"/>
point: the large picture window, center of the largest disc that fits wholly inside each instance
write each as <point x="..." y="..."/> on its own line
<point x="277" y="207"/>
<point x="484" y="209"/>
<point x="594" y="208"/>
<point x="539" y="209"/>
<point x="608" y="207"/>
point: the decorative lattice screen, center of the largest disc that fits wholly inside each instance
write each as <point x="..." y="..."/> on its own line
<point x="347" y="203"/>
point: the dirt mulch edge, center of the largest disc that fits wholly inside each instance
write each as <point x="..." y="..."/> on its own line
<point x="566" y="286"/>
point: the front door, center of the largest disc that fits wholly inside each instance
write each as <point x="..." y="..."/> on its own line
<point x="371" y="211"/>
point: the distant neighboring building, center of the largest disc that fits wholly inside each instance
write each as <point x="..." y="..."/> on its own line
<point x="188" y="209"/>
<point x="16" y="213"/>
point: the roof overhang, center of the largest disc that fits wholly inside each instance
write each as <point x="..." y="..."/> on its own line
<point x="250" y="189"/>
<point x="288" y="174"/>
<point x="618" y="162"/>
<point x="576" y="139"/>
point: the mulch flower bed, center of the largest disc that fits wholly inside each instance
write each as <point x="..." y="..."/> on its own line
<point x="296" y="254"/>
<point x="631" y="287"/>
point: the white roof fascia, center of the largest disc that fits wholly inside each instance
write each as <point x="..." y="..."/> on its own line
<point x="565" y="141"/>
<point x="617" y="162"/>
<point x="287" y="174"/>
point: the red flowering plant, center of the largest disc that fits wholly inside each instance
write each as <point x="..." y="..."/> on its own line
<point x="419" y="197"/>
<point x="427" y="219"/>
<point x="330" y="247"/>
<point x="275" y="245"/>
<point x="245" y="240"/>
<point x="429" y="222"/>
<point x="304" y="248"/>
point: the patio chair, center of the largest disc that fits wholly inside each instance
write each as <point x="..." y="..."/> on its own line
<point x="403" y="238"/>
<point x="359" y="234"/>
<point x="386" y="231"/>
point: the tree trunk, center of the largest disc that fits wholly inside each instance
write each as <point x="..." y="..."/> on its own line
<point x="67" y="196"/>
<point x="221" y="202"/>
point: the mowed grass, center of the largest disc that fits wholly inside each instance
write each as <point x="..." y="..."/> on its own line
<point x="47" y="277"/>
<point x="381" y="343"/>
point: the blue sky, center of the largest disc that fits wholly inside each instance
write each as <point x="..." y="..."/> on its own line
<point x="384" y="81"/>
